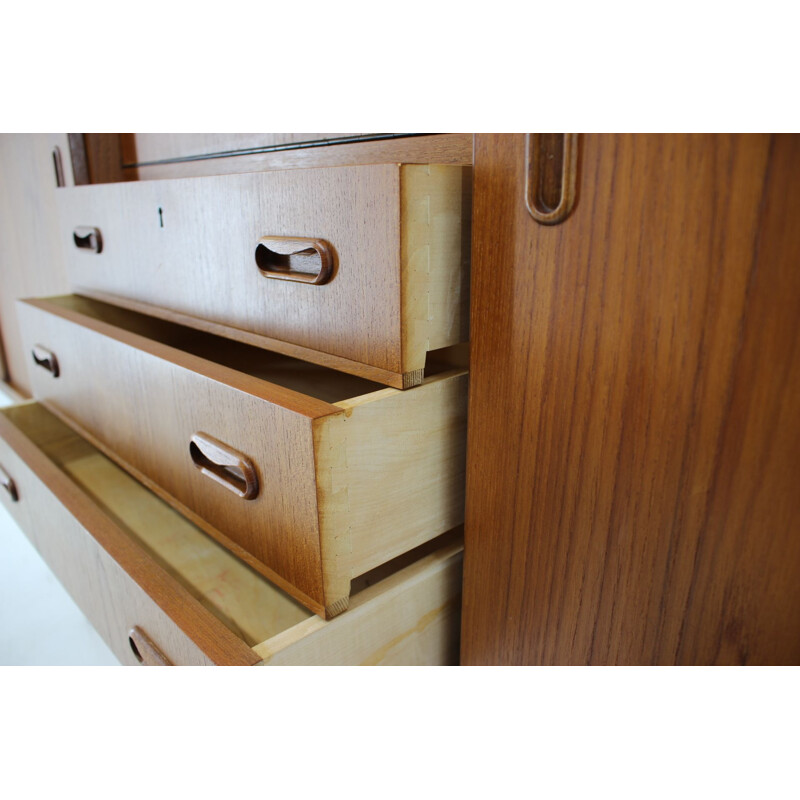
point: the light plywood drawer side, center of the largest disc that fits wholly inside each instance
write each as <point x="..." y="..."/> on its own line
<point x="395" y="239"/>
<point x="347" y="474"/>
<point x="161" y="591"/>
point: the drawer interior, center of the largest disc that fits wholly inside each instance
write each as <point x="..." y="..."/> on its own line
<point x="314" y="380"/>
<point x="244" y="601"/>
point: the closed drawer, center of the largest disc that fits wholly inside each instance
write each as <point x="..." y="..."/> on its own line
<point x="389" y="244"/>
<point x="339" y="475"/>
<point x="161" y="591"/>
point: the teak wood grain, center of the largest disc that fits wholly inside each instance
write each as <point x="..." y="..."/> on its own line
<point x="350" y="475"/>
<point x="186" y="250"/>
<point x="154" y="585"/>
<point x="634" y="437"/>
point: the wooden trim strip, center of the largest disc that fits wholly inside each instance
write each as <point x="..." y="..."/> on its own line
<point x="219" y="643"/>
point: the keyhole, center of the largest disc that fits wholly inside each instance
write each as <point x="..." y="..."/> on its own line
<point x="160" y="218"/>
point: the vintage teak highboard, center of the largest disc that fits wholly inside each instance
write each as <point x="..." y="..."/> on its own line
<point x="243" y="375"/>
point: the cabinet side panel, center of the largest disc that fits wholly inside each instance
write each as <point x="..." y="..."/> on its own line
<point x="634" y="438"/>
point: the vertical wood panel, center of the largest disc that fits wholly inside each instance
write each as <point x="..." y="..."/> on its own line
<point x="31" y="259"/>
<point x="634" y="442"/>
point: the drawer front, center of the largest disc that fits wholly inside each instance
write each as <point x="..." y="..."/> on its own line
<point x="390" y="238"/>
<point x="149" y="406"/>
<point x="62" y="524"/>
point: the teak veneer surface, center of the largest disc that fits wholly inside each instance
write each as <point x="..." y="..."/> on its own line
<point x="634" y="435"/>
<point x="350" y="474"/>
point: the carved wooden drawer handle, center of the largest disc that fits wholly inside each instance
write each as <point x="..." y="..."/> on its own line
<point x="224" y="465"/>
<point x="8" y="484"/>
<point x="288" y="259"/>
<point x="89" y="239"/>
<point x="46" y="359"/>
<point x="551" y="175"/>
<point x="145" y="650"/>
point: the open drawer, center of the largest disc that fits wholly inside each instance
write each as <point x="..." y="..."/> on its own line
<point x="312" y="476"/>
<point x="161" y="591"/>
<point x="363" y="268"/>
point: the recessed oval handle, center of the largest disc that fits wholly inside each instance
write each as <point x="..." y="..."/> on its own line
<point x="551" y="172"/>
<point x="89" y="239"/>
<point x="145" y="649"/>
<point x="292" y="259"/>
<point x="46" y="359"/>
<point x="8" y="484"/>
<point x="224" y="465"/>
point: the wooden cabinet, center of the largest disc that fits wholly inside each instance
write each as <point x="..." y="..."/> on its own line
<point x="633" y="447"/>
